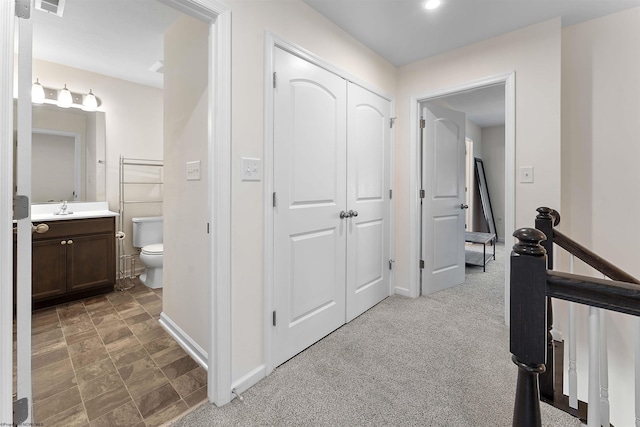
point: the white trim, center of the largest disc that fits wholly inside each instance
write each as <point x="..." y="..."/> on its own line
<point x="271" y="41"/>
<point x="77" y="140"/>
<point x="508" y="79"/>
<point x="23" y="187"/>
<point x="243" y="383"/>
<point x="185" y="341"/>
<point x="219" y="194"/>
<point x="6" y="210"/>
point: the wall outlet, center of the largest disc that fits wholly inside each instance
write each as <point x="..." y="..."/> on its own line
<point x="250" y="169"/>
<point x="526" y="174"/>
<point x="193" y="171"/>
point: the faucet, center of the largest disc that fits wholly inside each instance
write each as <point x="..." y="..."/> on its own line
<point x="63" y="208"/>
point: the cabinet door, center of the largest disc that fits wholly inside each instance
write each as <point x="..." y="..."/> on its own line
<point x="49" y="268"/>
<point x="90" y="261"/>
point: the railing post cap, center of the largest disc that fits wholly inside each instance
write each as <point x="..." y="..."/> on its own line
<point x="529" y="242"/>
<point x="548" y="214"/>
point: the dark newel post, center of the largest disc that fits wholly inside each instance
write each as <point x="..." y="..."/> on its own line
<point x="545" y="223"/>
<point x="528" y="326"/>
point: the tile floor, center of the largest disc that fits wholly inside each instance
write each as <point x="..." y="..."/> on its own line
<point x="106" y="361"/>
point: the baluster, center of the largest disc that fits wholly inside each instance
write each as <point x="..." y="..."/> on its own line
<point x="637" y="371"/>
<point x="604" y="371"/>
<point x="573" y="373"/>
<point x="593" y="417"/>
<point x="528" y="323"/>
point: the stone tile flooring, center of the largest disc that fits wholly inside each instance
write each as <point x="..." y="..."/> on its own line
<point x="106" y="361"/>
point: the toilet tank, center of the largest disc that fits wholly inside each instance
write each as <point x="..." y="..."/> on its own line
<point x="147" y="231"/>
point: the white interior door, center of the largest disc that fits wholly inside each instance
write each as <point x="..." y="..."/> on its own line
<point x="310" y="185"/>
<point x="23" y="225"/>
<point x="368" y="184"/>
<point x="443" y="207"/>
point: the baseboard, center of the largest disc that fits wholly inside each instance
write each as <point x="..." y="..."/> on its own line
<point x="250" y="379"/>
<point x="402" y="292"/>
<point x="185" y="341"/>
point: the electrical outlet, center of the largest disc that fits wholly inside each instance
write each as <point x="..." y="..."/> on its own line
<point x="193" y="171"/>
<point x="250" y="169"/>
<point x="526" y="174"/>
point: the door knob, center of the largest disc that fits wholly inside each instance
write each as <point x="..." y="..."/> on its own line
<point x="463" y="206"/>
<point x="344" y="214"/>
<point x="353" y="213"/>
<point x="69" y="242"/>
<point x="40" y="228"/>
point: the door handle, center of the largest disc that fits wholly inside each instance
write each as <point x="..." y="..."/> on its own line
<point x="344" y="215"/>
<point x="40" y="228"/>
<point x="353" y="213"/>
<point x="463" y="206"/>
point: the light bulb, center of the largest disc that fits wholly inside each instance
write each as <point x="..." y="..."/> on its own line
<point x="90" y="102"/>
<point x="432" y="4"/>
<point x="64" y="98"/>
<point x="37" y="93"/>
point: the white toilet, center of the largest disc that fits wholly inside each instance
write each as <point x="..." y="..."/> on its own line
<point x="147" y="235"/>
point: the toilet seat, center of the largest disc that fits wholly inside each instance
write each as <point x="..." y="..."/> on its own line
<point x="156" y="249"/>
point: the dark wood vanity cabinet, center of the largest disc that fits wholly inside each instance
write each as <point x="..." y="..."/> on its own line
<point x="74" y="259"/>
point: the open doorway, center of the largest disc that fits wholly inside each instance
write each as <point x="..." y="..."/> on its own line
<point x="491" y="95"/>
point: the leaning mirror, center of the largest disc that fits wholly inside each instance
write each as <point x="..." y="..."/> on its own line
<point x="67" y="155"/>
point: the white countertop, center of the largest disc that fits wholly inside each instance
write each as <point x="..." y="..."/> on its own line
<point x="78" y="210"/>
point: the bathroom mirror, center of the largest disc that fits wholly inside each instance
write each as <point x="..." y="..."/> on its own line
<point x="68" y="154"/>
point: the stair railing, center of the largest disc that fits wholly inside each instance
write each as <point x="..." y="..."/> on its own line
<point x="533" y="283"/>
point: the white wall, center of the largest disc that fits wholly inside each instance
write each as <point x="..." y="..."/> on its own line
<point x="298" y="23"/>
<point x="185" y="258"/>
<point x="493" y="159"/>
<point x="534" y="54"/>
<point x="600" y="183"/>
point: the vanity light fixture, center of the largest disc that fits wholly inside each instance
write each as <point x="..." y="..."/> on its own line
<point x="90" y="102"/>
<point x="432" y="4"/>
<point x="64" y="98"/>
<point x="37" y="93"/>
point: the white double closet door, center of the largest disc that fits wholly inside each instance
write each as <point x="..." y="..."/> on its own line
<point x="331" y="219"/>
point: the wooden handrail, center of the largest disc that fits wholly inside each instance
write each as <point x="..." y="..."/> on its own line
<point x="592" y="259"/>
<point x="612" y="295"/>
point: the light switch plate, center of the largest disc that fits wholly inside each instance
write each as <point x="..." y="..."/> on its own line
<point x="526" y="174"/>
<point x="193" y="171"/>
<point x="250" y="169"/>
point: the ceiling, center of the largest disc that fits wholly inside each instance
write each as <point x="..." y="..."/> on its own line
<point x="484" y="107"/>
<point x="123" y="38"/>
<point x="118" y="38"/>
<point x="403" y="31"/>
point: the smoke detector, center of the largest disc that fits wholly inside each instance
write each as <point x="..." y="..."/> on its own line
<point x="55" y="7"/>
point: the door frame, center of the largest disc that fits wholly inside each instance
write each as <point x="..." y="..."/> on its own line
<point x="273" y="41"/>
<point x="218" y="360"/>
<point x="508" y="79"/>
<point x="219" y="193"/>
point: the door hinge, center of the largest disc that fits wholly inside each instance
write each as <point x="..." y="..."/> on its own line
<point x="392" y="121"/>
<point x="421" y="264"/>
<point x="23" y="9"/>
<point x="274" y="318"/>
<point x="274" y="79"/>
<point x="20" y="207"/>
<point x="423" y="123"/>
<point x="20" y="411"/>
<point x="391" y="264"/>
<point x="391" y="194"/>
<point x="275" y="202"/>
<point x="422" y="194"/>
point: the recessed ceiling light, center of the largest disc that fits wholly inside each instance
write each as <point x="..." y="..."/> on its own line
<point x="432" y="4"/>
